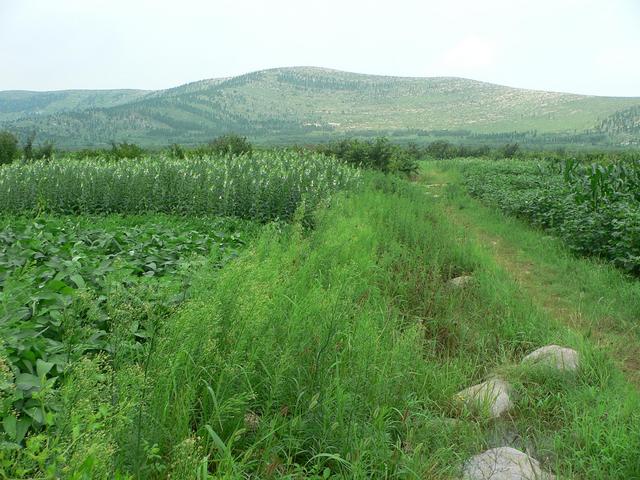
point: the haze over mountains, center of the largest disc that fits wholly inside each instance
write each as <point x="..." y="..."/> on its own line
<point x="307" y="104"/>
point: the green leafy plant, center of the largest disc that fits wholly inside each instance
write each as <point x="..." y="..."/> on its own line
<point x="55" y="279"/>
<point x="593" y="207"/>
<point x="263" y="186"/>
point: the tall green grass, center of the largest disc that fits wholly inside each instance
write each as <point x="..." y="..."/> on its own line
<point x="336" y="353"/>
<point x="262" y="186"/>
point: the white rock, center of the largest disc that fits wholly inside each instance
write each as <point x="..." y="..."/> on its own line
<point x="490" y="397"/>
<point x="460" y="281"/>
<point x="555" y="356"/>
<point x="504" y="463"/>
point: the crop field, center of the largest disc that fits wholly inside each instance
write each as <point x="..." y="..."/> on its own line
<point x="266" y="186"/>
<point x="282" y="314"/>
<point x="594" y="208"/>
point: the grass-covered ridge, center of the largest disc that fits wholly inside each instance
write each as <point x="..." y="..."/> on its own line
<point x="337" y="353"/>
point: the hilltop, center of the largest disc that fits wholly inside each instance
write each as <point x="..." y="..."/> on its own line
<point x="309" y="103"/>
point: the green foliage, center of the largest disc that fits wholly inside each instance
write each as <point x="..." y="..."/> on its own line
<point x="335" y="353"/>
<point x="55" y="277"/>
<point x="624" y="122"/>
<point x="27" y="149"/>
<point x="263" y="186"/>
<point x="310" y="104"/>
<point x="442" y="149"/>
<point x="230" y="144"/>
<point x="176" y="151"/>
<point x="126" y="150"/>
<point x="510" y="150"/>
<point x="594" y="208"/>
<point x="8" y="147"/>
<point x="379" y="154"/>
<point x="326" y="353"/>
<point x="31" y="152"/>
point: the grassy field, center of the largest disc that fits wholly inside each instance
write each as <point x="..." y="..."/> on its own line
<point x="331" y="348"/>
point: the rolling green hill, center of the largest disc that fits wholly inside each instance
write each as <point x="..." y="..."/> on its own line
<point x="19" y="103"/>
<point x="308" y="104"/>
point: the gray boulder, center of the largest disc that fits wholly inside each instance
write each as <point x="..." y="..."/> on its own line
<point x="461" y="281"/>
<point x="555" y="356"/>
<point x="504" y="463"/>
<point x="489" y="398"/>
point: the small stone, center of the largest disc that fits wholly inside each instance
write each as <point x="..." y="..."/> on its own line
<point x="504" y="463"/>
<point x="490" y="397"/>
<point x="460" y="281"/>
<point x="561" y="358"/>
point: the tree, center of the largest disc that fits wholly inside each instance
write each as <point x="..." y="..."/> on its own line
<point x="126" y="150"/>
<point x="176" y="151"/>
<point x="27" y="149"/>
<point x="8" y="147"/>
<point x="440" y="150"/>
<point x="510" y="150"/>
<point x="231" y="144"/>
<point x="45" y="152"/>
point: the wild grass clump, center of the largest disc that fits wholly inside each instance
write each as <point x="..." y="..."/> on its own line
<point x="263" y="186"/>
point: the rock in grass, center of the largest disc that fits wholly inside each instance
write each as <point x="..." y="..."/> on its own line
<point x="555" y="356"/>
<point x="251" y="421"/>
<point x="504" y="463"/>
<point x="489" y="398"/>
<point x="461" y="281"/>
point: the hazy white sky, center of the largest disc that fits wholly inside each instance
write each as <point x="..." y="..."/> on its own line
<point x="583" y="46"/>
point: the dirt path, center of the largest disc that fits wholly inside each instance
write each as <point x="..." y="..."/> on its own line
<point x="545" y="283"/>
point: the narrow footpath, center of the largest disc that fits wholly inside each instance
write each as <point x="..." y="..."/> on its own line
<point x="589" y="296"/>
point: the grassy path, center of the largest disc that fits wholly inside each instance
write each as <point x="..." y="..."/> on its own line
<point x="592" y="298"/>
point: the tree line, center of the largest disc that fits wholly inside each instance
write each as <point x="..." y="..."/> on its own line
<point x="374" y="153"/>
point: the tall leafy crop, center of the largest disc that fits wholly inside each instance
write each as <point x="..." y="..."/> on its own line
<point x="594" y="208"/>
<point x="262" y="186"/>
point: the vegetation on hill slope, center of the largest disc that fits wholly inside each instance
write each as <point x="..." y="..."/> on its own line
<point x="17" y="103"/>
<point x="305" y="103"/>
<point x="624" y="123"/>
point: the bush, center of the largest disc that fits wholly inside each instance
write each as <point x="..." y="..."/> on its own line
<point x="8" y="147"/>
<point x="377" y="155"/>
<point x="230" y="144"/>
<point x="126" y="150"/>
<point x="176" y="151"/>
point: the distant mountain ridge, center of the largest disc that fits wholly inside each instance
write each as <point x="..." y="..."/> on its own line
<point x="309" y="104"/>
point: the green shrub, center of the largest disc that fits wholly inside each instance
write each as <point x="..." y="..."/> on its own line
<point x="8" y="147"/>
<point x="379" y="155"/>
<point x="126" y="150"/>
<point x="230" y="144"/>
